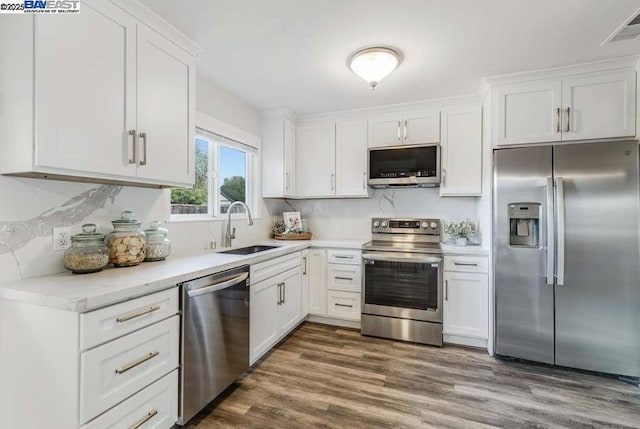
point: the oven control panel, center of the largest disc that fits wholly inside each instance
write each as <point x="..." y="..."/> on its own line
<point x="405" y="226"/>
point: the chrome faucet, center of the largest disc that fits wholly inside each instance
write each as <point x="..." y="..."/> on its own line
<point x="230" y="235"/>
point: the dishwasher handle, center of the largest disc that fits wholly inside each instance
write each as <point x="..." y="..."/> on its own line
<point x="218" y="286"/>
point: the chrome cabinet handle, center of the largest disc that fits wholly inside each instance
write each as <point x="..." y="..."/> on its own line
<point x="286" y="181"/>
<point x="444" y="176"/>
<point x="304" y="261"/>
<point x="343" y="305"/>
<point x="568" y="119"/>
<point x="465" y="264"/>
<point x="550" y="232"/>
<point x="132" y="133"/>
<point x="137" y="314"/>
<point x="143" y="136"/>
<point x="558" y="117"/>
<point x="134" y="364"/>
<point x="333" y="181"/>
<point x="364" y="180"/>
<point x="446" y="290"/>
<point x="343" y="257"/>
<point x="279" y="293"/>
<point x="284" y="292"/>
<point x="399" y="124"/>
<point x="151" y="414"/>
<point x="405" y="130"/>
<point x="343" y="278"/>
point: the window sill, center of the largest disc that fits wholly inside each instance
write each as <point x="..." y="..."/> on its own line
<point x="195" y="218"/>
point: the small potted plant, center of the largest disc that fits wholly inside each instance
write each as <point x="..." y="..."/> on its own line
<point x="460" y="232"/>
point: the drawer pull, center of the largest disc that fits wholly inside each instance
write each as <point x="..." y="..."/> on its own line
<point x="344" y="278"/>
<point x="138" y="314"/>
<point x="465" y="264"/>
<point x="343" y="305"/>
<point x="151" y="414"/>
<point x="343" y="257"/>
<point x="140" y="361"/>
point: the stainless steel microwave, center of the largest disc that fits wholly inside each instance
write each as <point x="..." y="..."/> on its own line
<point x="416" y="166"/>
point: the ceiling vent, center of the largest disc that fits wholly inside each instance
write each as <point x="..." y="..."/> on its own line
<point x="629" y="30"/>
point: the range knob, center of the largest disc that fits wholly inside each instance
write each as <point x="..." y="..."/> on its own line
<point x="385" y="224"/>
<point x="376" y="223"/>
<point x="424" y="225"/>
<point x="433" y="225"/>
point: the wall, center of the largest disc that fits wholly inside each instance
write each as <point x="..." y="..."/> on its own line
<point x="30" y="208"/>
<point x="350" y="218"/>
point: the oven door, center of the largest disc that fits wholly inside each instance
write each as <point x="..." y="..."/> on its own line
<point x="403" y="285"/>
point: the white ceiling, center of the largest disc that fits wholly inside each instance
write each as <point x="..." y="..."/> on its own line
<point x="292" y="53"/>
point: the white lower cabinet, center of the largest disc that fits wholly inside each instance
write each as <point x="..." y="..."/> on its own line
<point x="275" y="308"/>
<point x="343" y="305"/>
<point x="318" y="282"/>
<point x="466" y="300"/>
<point x="153" y="407"/>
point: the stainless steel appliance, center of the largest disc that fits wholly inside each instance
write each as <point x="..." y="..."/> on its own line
<point x="215" y="337"/>
<point x="567" y="277"/>
<point x="404" y="166"/>
<point x="402" y="292"/>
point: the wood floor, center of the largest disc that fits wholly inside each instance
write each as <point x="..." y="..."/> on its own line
<point x="328" y="377"/>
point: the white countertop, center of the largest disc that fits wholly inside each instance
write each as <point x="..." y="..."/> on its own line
<point x="452" y="249"/>
<point x="86" y="292"/>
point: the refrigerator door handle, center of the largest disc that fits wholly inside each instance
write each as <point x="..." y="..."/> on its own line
<point x="550" y="234"/>
<point x="561" y="230"/>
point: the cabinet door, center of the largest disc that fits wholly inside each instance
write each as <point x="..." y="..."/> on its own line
<point x="315" y="160"/>
<point x="601" y="105"/>
<point x="527" y="113"/>
<point x="385" y="130"/>
<point x="466" y="304"/>
<point x="461" y="148"/>
<point x="263" y="311"/>
<point x="318" y="282"/>
<point x="304" y="284"/>
<point x="291" y="303"/>
<point x="289" y="158"/>
<point x="351" y="158"/>
<point x="86" y="90"/>
<point x="166" y="79"/>
<point x="421" y="126"/>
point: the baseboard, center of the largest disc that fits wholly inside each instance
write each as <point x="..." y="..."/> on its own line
<point x="334" y="322"/>
<point x="465" y="341"/>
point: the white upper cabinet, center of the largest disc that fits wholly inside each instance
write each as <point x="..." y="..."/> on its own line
<point x="410" y="127"/>
<point x="580" y="107"/>
<point x="166" y="127"/>
<point x="86" y="95"/>
<point x="599" y="105"/>
<point x="528" y="113"/>
<point x="351" y="158"/>
<point x="278" y="156"/>
<point x="315" y="159"/>
<point x="116" y="105"/>
<point x="461" y="151"/>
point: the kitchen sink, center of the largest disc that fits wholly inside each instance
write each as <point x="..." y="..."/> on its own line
<point x="249" y="250"/>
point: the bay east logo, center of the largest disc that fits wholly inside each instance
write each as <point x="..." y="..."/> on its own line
<point x="41" y="6"/>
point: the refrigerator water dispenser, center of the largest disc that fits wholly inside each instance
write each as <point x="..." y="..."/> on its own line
<point x="524" y="224"/>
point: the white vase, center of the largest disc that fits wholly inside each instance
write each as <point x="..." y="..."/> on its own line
<point x="461" y="241"/>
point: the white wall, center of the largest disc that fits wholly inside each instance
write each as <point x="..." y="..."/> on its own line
<point x="30" y="208"/>
<point x="350" y="218"/>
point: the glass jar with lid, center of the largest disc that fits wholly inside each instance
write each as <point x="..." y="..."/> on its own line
<point x="127" y="242"/>
<point x="158" y="245"/>
<point x="88" y="253"/>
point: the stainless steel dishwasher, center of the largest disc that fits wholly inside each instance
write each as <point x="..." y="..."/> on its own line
<point x="215" y="337"/>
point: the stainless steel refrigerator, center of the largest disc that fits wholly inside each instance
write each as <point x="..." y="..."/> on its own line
<point x="566" y="246"/>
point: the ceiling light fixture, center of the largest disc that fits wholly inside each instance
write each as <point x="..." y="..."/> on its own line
<point x="374" y="63"/>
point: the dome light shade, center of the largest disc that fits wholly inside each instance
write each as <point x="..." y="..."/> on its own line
<point x="374" y="64"/>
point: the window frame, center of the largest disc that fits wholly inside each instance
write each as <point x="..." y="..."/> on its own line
<point x="206" y="129"/>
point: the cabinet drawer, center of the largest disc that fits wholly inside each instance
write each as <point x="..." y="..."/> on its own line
<point x="466" y="264"/>
<point x="350" y="257"/>
<point x="272" y="267"/>
<point x="117" y="370"/>
<point x="346" y="278"/>
<point x="154" y="407"/>
<point x="343" y="305"/>
<point x="111" y="322"/>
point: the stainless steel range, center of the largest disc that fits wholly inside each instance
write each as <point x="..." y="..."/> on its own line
<point x="402" y="292"/>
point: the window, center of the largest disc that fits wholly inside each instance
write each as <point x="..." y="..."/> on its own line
<point x="225" y="170"/>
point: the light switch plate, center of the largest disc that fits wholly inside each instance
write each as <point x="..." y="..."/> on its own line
<point x="61" y="238"/>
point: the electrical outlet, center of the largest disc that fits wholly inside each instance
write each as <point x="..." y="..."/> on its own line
<point x="61" y="238"/>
